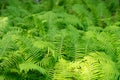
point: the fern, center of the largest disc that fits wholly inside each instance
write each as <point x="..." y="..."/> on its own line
<point x="11" y="61"/>
<point x="60" y="73"/>
<point x="93" y="66"/>
<point x="31" y="66"/>
<point x="53" y="40"/>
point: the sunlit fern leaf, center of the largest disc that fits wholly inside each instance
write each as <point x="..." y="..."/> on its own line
<point x="103" y="65"/>
<point x="63" y="71"/>
<point x="4" y="23"/>
<point x="96" y="66"/>
<point x="93" y="66"/>
<point x="60" y="70"/>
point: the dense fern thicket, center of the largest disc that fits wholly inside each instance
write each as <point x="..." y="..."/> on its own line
<point x="59" y="40"/>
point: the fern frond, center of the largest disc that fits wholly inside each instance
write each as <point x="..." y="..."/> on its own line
<point x="93" y="66"/>
<point x="11" y="62"/>
<point x="60" y="72"/>
<point x="26" y="66"/>
<point x="3" y="21"/>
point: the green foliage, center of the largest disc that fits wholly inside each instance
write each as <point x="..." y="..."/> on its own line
<point x="91" y="67"/>
<point x="59" y="40"/>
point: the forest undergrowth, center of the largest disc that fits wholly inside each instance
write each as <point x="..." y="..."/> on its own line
<point x="59" y="40"/>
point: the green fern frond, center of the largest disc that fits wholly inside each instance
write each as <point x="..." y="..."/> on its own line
<point x="113" y="29"/>
<point x="33" y="54"/>
<point x="99" y="65"/>
<point x="3" y="21"/>
<point x="102" y="41"/>
<point x="93" y="66"/>
<point x="11" y="62"/>
<point x="7" y="44"/>
<point x="60" y="70"/>
<point x="26" y="66"/>
<point x="52" y="40"/>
